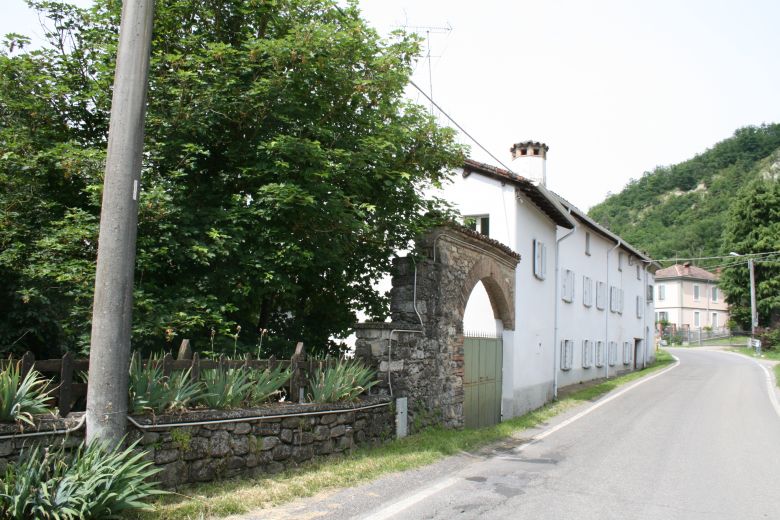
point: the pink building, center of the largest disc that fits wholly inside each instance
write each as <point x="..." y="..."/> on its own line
<point x="689" y="297"/>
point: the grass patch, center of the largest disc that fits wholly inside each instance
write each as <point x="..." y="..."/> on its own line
<point x="777" y="375"/>
<point x="364" y="464"/>
<point x="765" y="354"/>
<point x="737" y="341"/>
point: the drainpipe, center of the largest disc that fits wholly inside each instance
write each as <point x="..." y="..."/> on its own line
<point x="556" y="339"/>
<point x="607" y="310"/>
<point x="644" y="321"/>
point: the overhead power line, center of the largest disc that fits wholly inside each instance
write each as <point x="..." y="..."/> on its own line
<point x="747" y="255"/>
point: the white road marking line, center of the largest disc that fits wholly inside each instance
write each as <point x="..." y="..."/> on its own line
<point x="599" y="404"/>
<point x="397" y="507"/>
<point x="770" y="387"/>
<point x="391" y="510"/>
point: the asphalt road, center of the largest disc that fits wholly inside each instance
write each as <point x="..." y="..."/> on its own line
<point x="702" y="440"/>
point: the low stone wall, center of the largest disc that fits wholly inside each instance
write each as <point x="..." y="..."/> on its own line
<point x="248" y="442"/>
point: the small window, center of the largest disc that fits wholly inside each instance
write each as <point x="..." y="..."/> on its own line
<point x="639" y="305"/>
<point x="536" y="151"/>
<point x="714" y="322"/>
<point x="663" y="316"/>
<point x="567" y="354"/>
<point x="696" y="319"/>
<point x="479" y="223"/>
<point x="599" y="353"/>
<point x="661" y="292"/>
<point x="630" y="260"/>
<point x="587" y="244"/>
<point x="614" y="299"/>
<point x="523" y="151"/>
<point x="601" y="295"/>
<point x="627" y="353"/>
<point x="567" y="289"/>
<point x="540" y="260"/>
<point x="696" y="293"/>
<point x="612" y="353"/>
<point x="620" y="260"/>
<point x="715" y="294"/>
<point x="649" y="293"/>
<point x="587" y="353"/>
<point x="638" y="272"/>
<point x="587" y="291"/>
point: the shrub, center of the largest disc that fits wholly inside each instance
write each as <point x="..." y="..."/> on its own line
<point x="150" y="390"/>
<point x="266" y="383"/>
<point x="225" y="388"/>
<point x="343" y="382"/>
<point x="92" y="482"/>
<point x="19" y="400"/>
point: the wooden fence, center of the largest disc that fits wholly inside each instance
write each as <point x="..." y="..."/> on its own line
<point x="63" y="374"/>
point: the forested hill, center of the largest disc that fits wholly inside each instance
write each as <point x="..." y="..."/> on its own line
<point x="681" y="210"/>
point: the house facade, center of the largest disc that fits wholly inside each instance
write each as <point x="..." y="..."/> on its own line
<point x="688" y="297"/>
<point x="583" y="296"/>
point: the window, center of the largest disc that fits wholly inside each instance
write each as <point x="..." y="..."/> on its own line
<point x="649" y="293"/>
<point x="567" y="289"/>
<point x="567" y="354"/>
<point x="601" y="295"/>
<point x="620" y="260"/>
<point x="479" y="223"/>
<point x="663" y="316"/>
<point x="612" y="353"/>
<point x="587" y="291"/>
<point x="587" y="244"/>
<point x="616" y="299"/>
<point x="587" y="353"/>
<point x="696" y="319"/>
<point x="638" y="272"/>
<point x="715" y="294"/>
<point x="696" y="293"/>
<point x="627" y="353"/>
<point x="714" y="322"/>
<point x="540" y="260"/>
<point x="639" y="305"/>
<point x="599" y="353"/>
<point x="661" y="292"/>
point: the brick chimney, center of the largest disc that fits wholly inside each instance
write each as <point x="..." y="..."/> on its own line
<point x="529" y="159"/>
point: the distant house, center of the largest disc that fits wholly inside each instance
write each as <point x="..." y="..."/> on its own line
<point x="689" y="297"/>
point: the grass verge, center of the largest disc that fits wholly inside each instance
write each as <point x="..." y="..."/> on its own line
<point x="239" y="496"/>
<point x="765" y="354"/>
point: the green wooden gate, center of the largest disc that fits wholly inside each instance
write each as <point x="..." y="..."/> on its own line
<point x="482" y="381"/>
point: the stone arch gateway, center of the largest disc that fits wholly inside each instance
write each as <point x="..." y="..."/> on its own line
<point x="419" y="354"/>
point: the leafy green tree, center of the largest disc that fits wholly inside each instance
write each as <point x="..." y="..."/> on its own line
<point x="283" y="167"/>
<point x="754" y="227"/>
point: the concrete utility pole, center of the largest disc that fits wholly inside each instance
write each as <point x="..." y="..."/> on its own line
<point x="753" y="310"/>
<point x="113" y="305"/>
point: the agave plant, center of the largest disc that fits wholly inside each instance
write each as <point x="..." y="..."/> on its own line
<point x="20" y="398"/>
<point x="343" y="382"/>
<point x="225" y="388"/>
<point x="91" y="482"/>
<point x="266" y="383"/>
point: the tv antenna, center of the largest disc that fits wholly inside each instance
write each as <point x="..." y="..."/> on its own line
<point x="428" y="31"/>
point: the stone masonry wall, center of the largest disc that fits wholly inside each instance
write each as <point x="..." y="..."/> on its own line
<point x="259" y="446"/>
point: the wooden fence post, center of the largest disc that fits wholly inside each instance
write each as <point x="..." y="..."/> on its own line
<point x="66" y="382"/>
<point x="195" y="370"/>
<point x="167" y="364"/>
<point x="28" y="360"/>
<point x="185" y="350"/>
<point x="297" y="380"/>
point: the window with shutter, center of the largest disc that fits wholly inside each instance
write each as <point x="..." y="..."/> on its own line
<point x="587" y="291"/>
<point x="540" y="260"/>
<point x="612" y="353"/>
<point x="639" y="304"/>
<point x="567" y="354"/>
<point x="601" y="295"/>
<point x="587" y="353"/>
<point x="599" y="353"/>
<point x="627" y="354"/>
<point x="567" y="291"/>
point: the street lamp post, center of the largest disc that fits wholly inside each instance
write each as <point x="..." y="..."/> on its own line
<point x="753" y="312"/>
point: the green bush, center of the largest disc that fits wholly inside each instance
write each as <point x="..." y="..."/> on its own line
<point x="225" y="388"/>
<point x="343" y="382"/>
<point x="92" y="482"/>
<point x="267" y="383"/>
<point x="21" y="398"/>
<point x="150" y="390"/>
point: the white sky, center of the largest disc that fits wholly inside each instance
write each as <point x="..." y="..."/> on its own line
<point x="614" y="87"/>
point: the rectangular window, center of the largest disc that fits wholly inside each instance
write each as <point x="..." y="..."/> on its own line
<point x="616" y="299"/>
<point x="612" y="353"/>
<point x="601" y="295"/>
<point x="479" y="223"/>
<point x="587" y="291"/>
<point x="696" y="293"/>
<point x="567" y="289"/>
<point x="627" y="353"/>
<point x="714" y="323"/>
<point x="649" y="293"/>
<point x="620" y="260"/>
<point x="638" y="272"/>
<point x="663" y="316"/>
<point x="639" y="305"/>
<point x="696" y="319"/>
<point x="599" y="353"/>
<point x="567" y="354"/>
<point x="540" y="260"/>
<point x="715" y="294"/>
<point x="587" y="244"/>
<point x="661" y="292"/>
<point x="587" y="353"/>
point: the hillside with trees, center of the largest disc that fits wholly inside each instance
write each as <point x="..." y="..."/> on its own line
<point x="725" y="199"/>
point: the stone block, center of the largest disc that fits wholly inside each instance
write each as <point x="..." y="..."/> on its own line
<point x="6" y="448"/>
<point x="199" y="448"/>
<point x="269" y="443"/>
<point x="251" y="460"/>
<point x="338" y="431"/>
<point x="165" y="456"/>
<point x="172" y="474"/>
<point x="267" y="428"/>
<point x="292" y="422"/>
<point x="242" y="428"/>
<point x="345" y="418"/>
<point x="328" y="419"/>
<point x="286" y="436"/>
<point x="282" y="452"/>
<point x="239" y="444"/>
<point x="301" y="453"/>
<point x="303" y="438"/>
<point x="236" y="463"/>
<point x="219" y="444"/>
<point x="202" y="470"/>
<point x="321" y="433"/>
<point x="273" y="468"/>
<point x="149" y="438"/>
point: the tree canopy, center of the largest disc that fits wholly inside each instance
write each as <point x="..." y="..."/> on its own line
<point x="282" y="169"/>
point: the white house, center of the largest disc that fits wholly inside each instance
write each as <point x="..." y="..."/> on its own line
<point x="583" y="296"/>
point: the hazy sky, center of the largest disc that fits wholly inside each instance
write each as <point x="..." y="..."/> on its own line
<point x="614" y="87"/>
